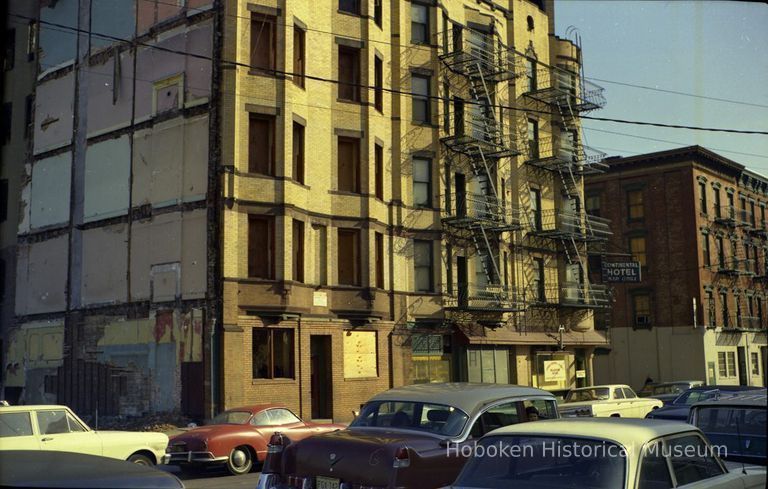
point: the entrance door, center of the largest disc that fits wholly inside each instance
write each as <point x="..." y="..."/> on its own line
<point x="320" y="375"/>
<point x="192" y="396"/>
<point x="461" y="279"/>
<point x="742" y="366"/>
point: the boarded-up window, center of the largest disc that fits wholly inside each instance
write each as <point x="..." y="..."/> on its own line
<point x="298" y="152"/>
<point x="261" y="247"/>
<point x="349" y="164"/>
<point x="168" y="94"/>
<point x="298" y="251"/>
<point x="298" y="56"/>
<point x="273" y="353"/>
<point x="349" y="257"/>
<point x="349" y="73"/>
<point x="261" y="144"/>
<point x="378" y="84"/>
<point x="378" y="155"/>
<point x="263" y="42"/>
<point x="422" y="266"/>
<point x="360" y="359"/>
<point x="379" y="260"/>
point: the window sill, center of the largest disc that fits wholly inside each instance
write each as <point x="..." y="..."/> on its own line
<point x="351" y="14"/>
<point x="359" y="379"/>
<point x="349" y="101"/>
<point x="346" y="192"/>
<point x="273" y="381"/>
<point x="266" y="72"/>
<point x="300" y="184"/>
<point x="425" y="124"/>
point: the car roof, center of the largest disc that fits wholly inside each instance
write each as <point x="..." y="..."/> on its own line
<point x="467" y="396"/>
<point x="30" y="407"/>
<point x="604" y="386"/>
<point x="725" y="388"/>
<point x="675" y="382"/>
<point x="624" y="431"/>
<point x="257" y="407"/>
<point x="755" y="398"/>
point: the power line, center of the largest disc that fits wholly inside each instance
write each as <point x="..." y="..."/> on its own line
<point x="389" y="90"/>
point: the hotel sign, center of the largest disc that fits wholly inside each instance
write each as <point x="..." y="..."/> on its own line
<point x="622" y="272"/>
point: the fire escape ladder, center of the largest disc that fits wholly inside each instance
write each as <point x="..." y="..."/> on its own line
<point x="480" y="93"/>
<point x="488" y="261"/>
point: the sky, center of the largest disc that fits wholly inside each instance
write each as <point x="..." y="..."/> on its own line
<point x="707" y="48"/>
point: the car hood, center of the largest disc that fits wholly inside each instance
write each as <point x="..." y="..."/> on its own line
<point x="672" y="411"/>
<point x="362" y="456"/>
<point x="149" y="437"/>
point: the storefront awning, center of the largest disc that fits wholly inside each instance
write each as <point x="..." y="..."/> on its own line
<point x="506" y="336"/>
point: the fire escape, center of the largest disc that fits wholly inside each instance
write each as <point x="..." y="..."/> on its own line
<point x="473" y="64"/>
<point x="563" y="155"/>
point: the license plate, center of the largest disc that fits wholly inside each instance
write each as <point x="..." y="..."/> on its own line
<point x="326" y="483"/>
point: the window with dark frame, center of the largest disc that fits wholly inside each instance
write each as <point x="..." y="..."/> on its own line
<point x="711" y="316"/>
<point x="299" y="56"/>
<point x="350" y="6"/>
<point x="298" y="250"/>
<point x="637" y="247"/>
<point x="724" y="309"/>
<point x="593" y="205"/>
<point x="423" y="266"/>
<point x="422" y="182"/>
<point x="378" y="84"/>
<point x="705" y="249"/>
<point x="377" y="12"/>
<point x="261" y="247"/>
<point x="420" y="98"/>
<point x="378" y="157"/>
<point x="446" y="108"/>
<point x="349" y="257"/>
<point x="719" y="248"/>
<point x="533" y="139"/>
<point x="530" y="73"/>
<point x="641" y="307"/>
<point x="31" y="40"/>
<point x="9" y="59"/>
<point x="731" y="207"/>
<point x="349" y="74"/>
<point x="261" y="144"/>
<point x="379" y="252"/>
<point x="635" y="205"/>
<point x="752" y="218"/>
<point x="419" y="23"/>
<point x="263" y="42"/>
<point x="535" y="196"/>
<point x="298" y="152"/>
<point x="539" y="280"/>
<point x="349" y="164"/>
<point x="718" y="211"/>
<point x="703" y="197"/>
<point x="273" y="353"/>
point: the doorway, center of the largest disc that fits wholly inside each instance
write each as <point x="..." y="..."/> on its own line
<point x="320" y="376"/>
<point x="743" y="379"/>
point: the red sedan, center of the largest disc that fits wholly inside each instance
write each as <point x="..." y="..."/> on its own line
<point x="239" y="437"/>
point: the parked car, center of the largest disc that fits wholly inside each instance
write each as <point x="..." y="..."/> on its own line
<point x="737" y="423"/>
<point x="600" y="453"/>
<point x="679" y="409"/>
<point x="57" y="428"/>
<point x="42" y="469"/>
<point x="402" y="437"/>
<point x="607" y="400"/>
<point x="238" y="437"/>
<point x="668" y="391"/>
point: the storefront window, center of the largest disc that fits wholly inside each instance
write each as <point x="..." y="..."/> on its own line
<point x="431" y="358"/>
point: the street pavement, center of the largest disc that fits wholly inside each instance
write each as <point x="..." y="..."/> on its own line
<point x="217" y="478"/>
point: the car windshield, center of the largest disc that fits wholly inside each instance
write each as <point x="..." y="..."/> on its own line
<point x="740" y="430"/>
<point x="433" y="418"/>
<point x="579" y="395"/>
<point x="693" y="396"/>
<point x="543" y="462"/>
<point x="232" y="417"/>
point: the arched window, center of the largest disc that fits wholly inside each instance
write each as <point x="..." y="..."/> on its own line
<point x="530" y="23"/>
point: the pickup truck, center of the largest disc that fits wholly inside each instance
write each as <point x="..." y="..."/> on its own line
<point x="607" y="401"/>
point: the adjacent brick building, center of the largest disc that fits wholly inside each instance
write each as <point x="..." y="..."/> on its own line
<point x="696" y="222"/>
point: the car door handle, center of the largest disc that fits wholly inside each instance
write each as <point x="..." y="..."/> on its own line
<point x="47" y="439"/>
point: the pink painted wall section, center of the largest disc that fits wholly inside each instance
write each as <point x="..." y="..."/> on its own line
<point x="110" y="95"/>
<point x="54" y="113"/>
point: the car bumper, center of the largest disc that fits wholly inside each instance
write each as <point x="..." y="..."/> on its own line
<point x="177" y="458"/>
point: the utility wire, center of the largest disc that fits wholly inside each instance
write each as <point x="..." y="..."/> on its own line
<point x="389" y="90"/>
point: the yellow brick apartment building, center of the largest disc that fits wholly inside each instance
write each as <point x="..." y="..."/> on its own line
<point x="402" y="189"/>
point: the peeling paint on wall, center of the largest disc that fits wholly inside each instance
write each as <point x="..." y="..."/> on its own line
<point x="110" y="94"/>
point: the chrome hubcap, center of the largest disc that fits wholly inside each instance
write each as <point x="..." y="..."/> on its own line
<point x="238" y="458"/>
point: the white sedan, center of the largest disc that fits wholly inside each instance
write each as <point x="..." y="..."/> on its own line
<point x="601" y="453"/>
<point x="57" y="428"/>
<point x="616" y="400"/>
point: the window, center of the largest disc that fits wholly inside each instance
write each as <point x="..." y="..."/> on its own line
<point x="720" y="252"/>
<point x="538" y="280"/>
<point x="298" y="152"/>
<point x="15" y="424"/>
<point x="3" y="199"/>
<point x="703" y="197"/>
<point x="349" y="74"/>
<point x="529" y="21"/>
<point x="535" y="196"/>
<point x="299" y="57"/>
<point x="168" y="94"/>
<point x="423" y="266"/>
<point x="718" y="211"/>
<point x="349" y="257"/>
<point x="654" y="473"/>
<point x="378" y="84"/>
<point x="629" y="394"/>
<point x="755" y="363"/>
<point x="349" y="164"/>
<point x="533" y="139"/>
<point x="57" y="422"/>
<point x="731" y="363"/>
<point x="261" y="247"/>
<point x="378" y="156"/>
<point x="298" y="251"/>
<point x="752" y="213"/>
<point x="747" y="261"/>
<point x="705" y="249"/>
<point x="321" y="254"/>
<point x="692" y="460"/>
<point x="593" y="205"/>
<point x="261" y="144"/>
<point x="530" y="73"/>
<point x="31" y="40"/>
<point x="710" y="309"/>
<point x="379" y="243"/>
<point x="422" y="182"/>
<point x="350" y="6"/>
<point x="29" y="107"/>
<point x="10" y="49"/>
<point x="743" y="213"/>
<point x="419" y="23"/>
<point x="731" y="209"/>
<point x="5" y="123"/>
<point x="273" y="353"/>
<point x="618" y="394"/>
<point x="635" y="209"/>
<point x="420" y="98"/>
<point x="638" y="250"/>
<point x="724" y="306"/>
<point x="641" y="306"/>
<point x="762" y="216"/>
<point x="263" y="42"/>
<point x="446" y="107"/>
<point x="377" y="12"/>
